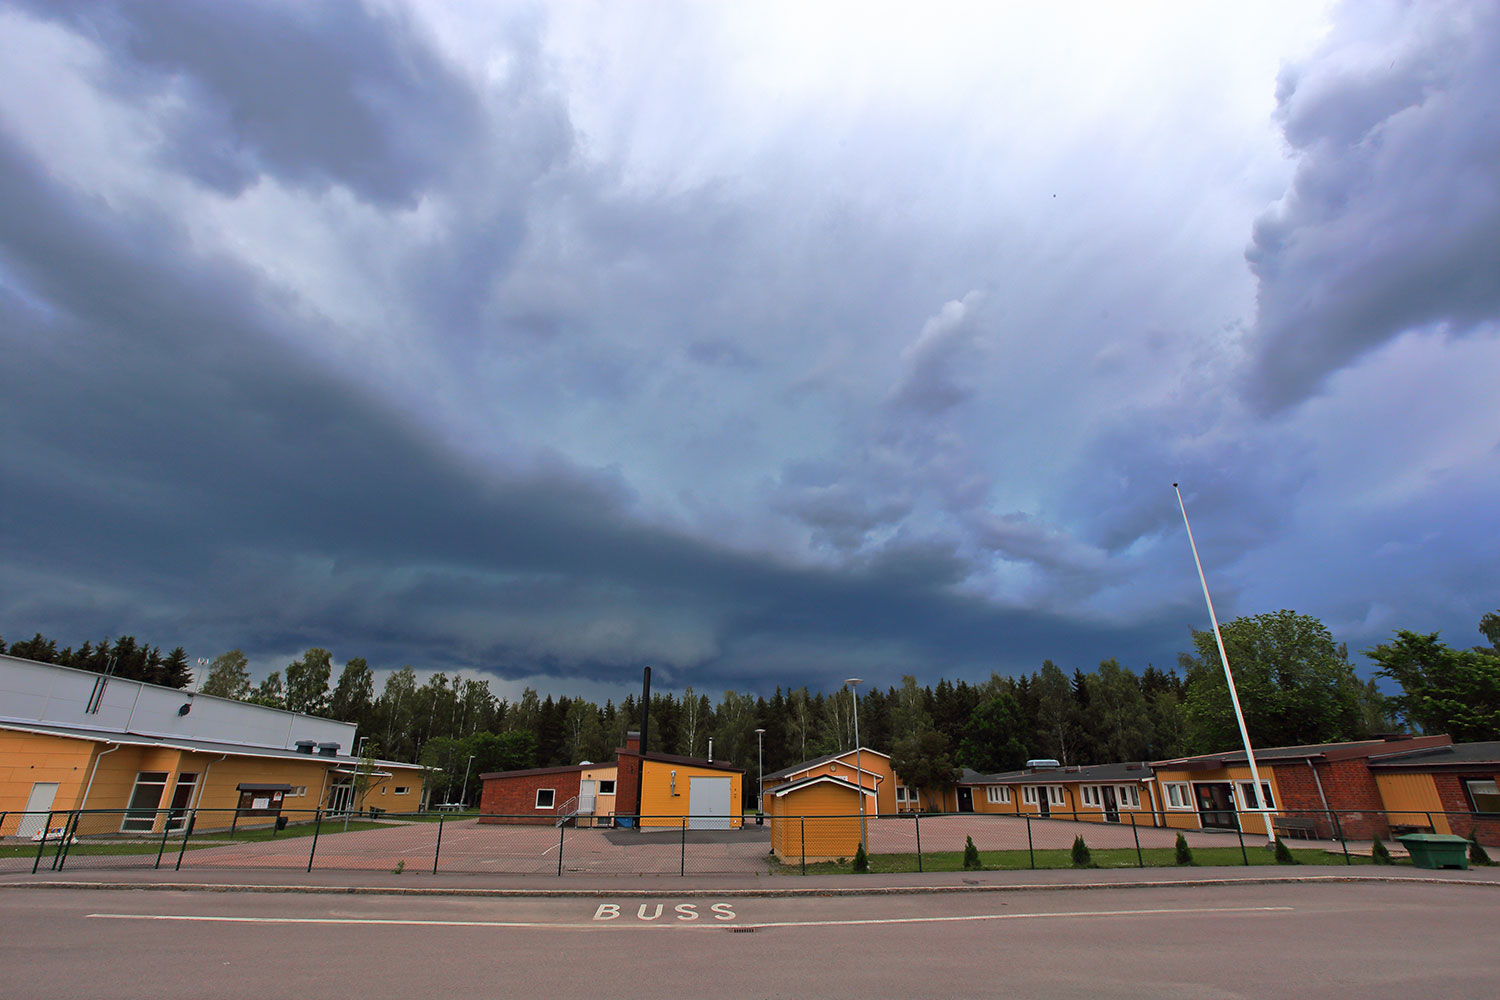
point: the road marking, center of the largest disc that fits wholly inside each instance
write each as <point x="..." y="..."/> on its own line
<point x="542" y="925"/>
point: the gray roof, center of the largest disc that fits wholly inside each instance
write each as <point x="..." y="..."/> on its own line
<point x="1454" y="755"/>
<point x="197" y="746"/>
<point x="1061" y="775"/>
<point x="816" y="761"/>
<point x="1279" y="753"/>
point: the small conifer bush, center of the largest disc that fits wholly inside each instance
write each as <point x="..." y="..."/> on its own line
<point x="1284" y="854"/>
<point x="971" y="856"/>
<point x="1379" y="855"/>
<point x="1184" y="852"/>
<point x="1082" y="858"/>
<point x="861" y="860"/>
<point x="1477" y="854"/>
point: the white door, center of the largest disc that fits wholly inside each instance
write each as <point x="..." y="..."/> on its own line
<point x="709" y="802"/>
<point x="586" y="790"/>
<point x="37" y="804"/>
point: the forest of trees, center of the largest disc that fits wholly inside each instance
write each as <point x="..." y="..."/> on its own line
<point x="1295" y="683"/>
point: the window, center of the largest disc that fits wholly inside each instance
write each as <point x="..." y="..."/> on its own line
<point x="904" y="794"/>
<point x="1484" y="795"/>
<point x="1091" y="795"/>
<point x="1129" y="796"/>
<point x="997" y="794"/>
<point x="403" y="789"/>
<point x="1178" y="796"/>
<point x="297" y="791"/>
<point x="145" y="798"/>
<point x="1028" y="795"/>
<point x="1055" y="795"/>
<point x="607" y="787"/>
<point x="544" y="797"/>
<point x="1247" y="795"/>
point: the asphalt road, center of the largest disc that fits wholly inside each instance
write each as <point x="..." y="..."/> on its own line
<point x="1356" y="940"/>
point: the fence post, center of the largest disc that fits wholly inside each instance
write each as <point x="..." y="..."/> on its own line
<point x="682" y="868"/>
<point x="1432" y="826"/>
<point x="917" y="816"/>
<point x="166" y="830"/>
<point x="562" y="831"/>
<point x="69" y="836"/>
<point x="804" y="844"/>
<point x="1030" y="851"/>
<point x="41" y="844"/>
<point x="317" y="829"/>
<point x="192" y="821"/>
<point x="1338" y="828"/>
<point x="438" y="849"/>
<point x="1140" y="862"/>
<point x="61" y="841"/>
<point x="1239" y="831"/>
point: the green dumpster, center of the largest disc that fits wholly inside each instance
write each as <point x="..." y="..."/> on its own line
<point x="1436" y="850"/>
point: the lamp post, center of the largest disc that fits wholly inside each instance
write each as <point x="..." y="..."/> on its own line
<point x="203" y="663"/>
<point x="760" y="763"/>
<point x="859" y="772"/>
<point x="463" y="793"/>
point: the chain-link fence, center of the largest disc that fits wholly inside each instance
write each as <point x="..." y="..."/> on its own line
<point x="469" y="843"/>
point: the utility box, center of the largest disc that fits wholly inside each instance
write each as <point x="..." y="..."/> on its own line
<point x="1436" y="850"/>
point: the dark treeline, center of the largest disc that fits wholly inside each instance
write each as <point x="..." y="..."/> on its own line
<point x="1296" y="685"/>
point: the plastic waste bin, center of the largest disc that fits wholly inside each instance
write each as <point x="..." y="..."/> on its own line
<point x="1436" y="850"/>
<point x="281" y="822"/>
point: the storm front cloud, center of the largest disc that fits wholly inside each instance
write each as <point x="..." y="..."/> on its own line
<point x="763" y="344"/>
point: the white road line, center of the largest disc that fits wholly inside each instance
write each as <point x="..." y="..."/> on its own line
<point x="643" y="925"/>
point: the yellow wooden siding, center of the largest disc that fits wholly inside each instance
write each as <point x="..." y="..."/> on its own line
<point x="664" y="802"/>
<point x="827" y="813"/>
<point x="1415" y="795"/>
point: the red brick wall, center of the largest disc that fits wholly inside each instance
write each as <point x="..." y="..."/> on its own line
<point x="512" y="798"/>
<point x="1460" y="812"/>
<point x="1353" y="794"/>
<point x="627" y="781"/>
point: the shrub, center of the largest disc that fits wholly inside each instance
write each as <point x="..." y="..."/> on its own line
<point x="971" y="856"/>
<point x="400" y="867"/>
<point x="1379" y="854"/>
<point x="1081" y="856"/>
<point x="1477" y="854"/>
<point x="861" y="860"/>
<point x="1184" y="852"/>
<point x="1284" y="854"/>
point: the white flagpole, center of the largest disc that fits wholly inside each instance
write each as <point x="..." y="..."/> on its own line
<point x="1239" y="716"/>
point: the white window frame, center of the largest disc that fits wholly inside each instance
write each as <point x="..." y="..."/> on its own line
<point x="1056" y="795"/>
<point x="606" y="791"/>
<point x="998" y="795"/>
<point x="1028" y="794"/>
<point x="1091" y="796"/>
<point x="1128" y="796"/>
<point x="142" y="819"/>
<point x="1492" y="791"/>
<point x="1242" y="800"/>
<point x="403" y="790"/>
<point x="551" y="794"/>
<point x="1184" y="793"/>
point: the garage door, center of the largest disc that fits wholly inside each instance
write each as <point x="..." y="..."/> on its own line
<point x="709" y="803"/>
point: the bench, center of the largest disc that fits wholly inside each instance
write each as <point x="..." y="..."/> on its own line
<point x="1299" y="826"/>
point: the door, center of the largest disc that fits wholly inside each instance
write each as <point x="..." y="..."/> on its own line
<point x="709" y="800"/>
<point x="182" y="794"/>
<point x="339" y="796"/>
<point x="1111" y="807"/>
<point x="1215" y="805"/>
<point x="37" y="805"/>
<point x="586" y="792"/>
<point x="966" y="800"/>
<point x="1043" y="801"/>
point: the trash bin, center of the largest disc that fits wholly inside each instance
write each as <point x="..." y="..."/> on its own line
<point x="1436" y="850"/>
<point x="281" y="822"/>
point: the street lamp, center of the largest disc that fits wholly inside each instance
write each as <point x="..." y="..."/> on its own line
<point x="203" y="663"/>
<point x="463" y="793"/>
<point x="760" y="784"/>
<point x="859" y="773"/>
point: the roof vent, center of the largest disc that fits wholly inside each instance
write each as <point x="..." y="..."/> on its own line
<point x="1043" y="764"/>
<point x="305" y="746"/>
<point x="328" y="749"/>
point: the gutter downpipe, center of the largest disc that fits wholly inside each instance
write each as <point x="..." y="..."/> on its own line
<point x="1239" y="716"/>
<point x="93" y="771"/>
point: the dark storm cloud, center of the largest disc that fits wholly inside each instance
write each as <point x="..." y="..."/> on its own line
<point x="314" y="94"/>
<point x="1392" y="223"/>
<point x="167" y="446"/>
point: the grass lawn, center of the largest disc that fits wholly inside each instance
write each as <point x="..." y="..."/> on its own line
<point x="150" y="845"/>
<point x="1160" y="857"/>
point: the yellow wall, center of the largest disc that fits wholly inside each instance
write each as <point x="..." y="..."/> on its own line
<point x="877" y="775"/>
<point x="829" y="815"/>
<point x="604" y="805"/>
<point x="1187" y="819"/>
<point x="1413" y="793"/>
<point x="660" y="801"/>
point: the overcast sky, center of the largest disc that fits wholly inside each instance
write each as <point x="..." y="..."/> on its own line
<point x="761" y="343"/>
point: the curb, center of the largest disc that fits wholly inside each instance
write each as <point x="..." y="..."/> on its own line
<point x="735" y="893"/>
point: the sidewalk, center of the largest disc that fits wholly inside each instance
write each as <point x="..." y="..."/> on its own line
<point x="661" y="886"/>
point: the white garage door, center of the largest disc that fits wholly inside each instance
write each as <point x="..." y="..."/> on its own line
<point x="709" y="803"/>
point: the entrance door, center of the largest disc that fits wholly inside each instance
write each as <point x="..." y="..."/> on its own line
<point x="966" y="800"/>
<point x="1216" y="805"/>
<point x="1111" y="807"/>
<point x="709" y="802"/>
<point x="182" y="794"/>
<point x="339" y="796"/>
<point x="586" y="792"/>
<point x="1043" y="801"/>
<point x="37" y="804"/>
